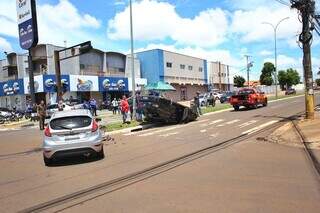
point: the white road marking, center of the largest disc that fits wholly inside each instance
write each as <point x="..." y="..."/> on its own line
<point x="216" y="121"/>
<point x="161" y="130"/>
<point x="253" y="130"/>
<point x="169" y="134"/>
<point x="203" y="130"/>
<point x="229" y="122"/>
<point x="214" y="135"/>
<point x="247" y="123"/>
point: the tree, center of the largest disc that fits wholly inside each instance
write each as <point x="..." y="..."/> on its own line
<point x="267" y="73"/>
<point x="282" y="78"/>
<point x="288" y="78"/>
<point x="318" y="82"/>
<point x="239" y="81"/>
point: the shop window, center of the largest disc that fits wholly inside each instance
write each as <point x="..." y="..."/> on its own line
<point x="169" y="64"/>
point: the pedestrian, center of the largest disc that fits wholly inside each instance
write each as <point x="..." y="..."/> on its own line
<point x="139" y="108"/>
<point x="197" y="103"/>
<point x="124" y="106"/>
<point x="93" y="106"/>
<point x="119" y="104"/>
<point x="41" y="111"/>
<point x="60" y="106"/>
<point x="115" y="106"/>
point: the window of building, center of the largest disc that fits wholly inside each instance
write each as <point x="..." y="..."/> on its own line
<point x="190" y="68"/>
<point x="182" y="66"/>
<point x="200" y="69"/>
<point x="169" y="64"/>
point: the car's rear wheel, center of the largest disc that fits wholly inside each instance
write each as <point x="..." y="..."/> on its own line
<point x="100" y="154"/>
<point x="47" y="161"/>
<point x="265" y="103"/>
<point x="236" y="108"/>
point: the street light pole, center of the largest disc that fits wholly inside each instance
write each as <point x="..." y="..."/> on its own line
<point x="132" y="66"/>
<point x="275" y="51"/>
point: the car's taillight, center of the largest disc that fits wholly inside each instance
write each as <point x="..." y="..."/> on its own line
<point x="47" y="132"/>
<point x="95" y="126"/>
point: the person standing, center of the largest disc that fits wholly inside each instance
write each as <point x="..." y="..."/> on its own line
<point x="41" y="111"/>
<point x="197" y="103"/>
<point x="93" y="106"/>
<point x="115" y="106"/>
<point x="124" y="106"/>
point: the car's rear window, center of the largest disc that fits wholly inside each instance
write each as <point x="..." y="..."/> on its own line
<point x="52" y="106"/>
<point x="246" y="91"/>
<point x="72" y="122"/>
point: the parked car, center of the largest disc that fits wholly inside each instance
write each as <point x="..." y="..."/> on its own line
<point x="217" y="95"/>
<point x="203" y="99"/>
<point x="52" y="108"/>
<point x="249" y="98"/>
<point x="226" y="97"/>
<point x="72" y="133"/>
<point x="291" y="91"/>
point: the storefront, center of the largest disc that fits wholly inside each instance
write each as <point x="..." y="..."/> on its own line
<point x="81" y="87"/>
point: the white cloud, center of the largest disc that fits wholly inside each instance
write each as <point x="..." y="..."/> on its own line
<point x="248" y="24"/>
<point x="154" y="20"/>
<point x="5" y="45"/>
<point x="56" y="23"/>
<point x="265" y="53"/>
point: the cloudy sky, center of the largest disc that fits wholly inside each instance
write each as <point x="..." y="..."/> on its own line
<point x="217" y="30"/>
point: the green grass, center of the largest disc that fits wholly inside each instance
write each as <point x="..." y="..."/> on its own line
<point x="119" y="125"/>
<point x="216" y="108"/>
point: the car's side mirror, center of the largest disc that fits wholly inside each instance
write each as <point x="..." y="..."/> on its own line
<point x="98" y="119"/>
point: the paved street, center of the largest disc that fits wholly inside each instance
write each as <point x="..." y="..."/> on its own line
<point x="249" y="176"/>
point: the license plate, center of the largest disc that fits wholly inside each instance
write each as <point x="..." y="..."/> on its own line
<point x="70" y="138"/>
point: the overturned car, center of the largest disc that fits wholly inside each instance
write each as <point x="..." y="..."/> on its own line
<point x="161" y="110"/>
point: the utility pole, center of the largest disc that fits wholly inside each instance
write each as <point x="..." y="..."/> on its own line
<point x="307" y="9"/>
<point x="220" y="86"/>
<point x="248" y="70"/>
<point x="132" y="66"/>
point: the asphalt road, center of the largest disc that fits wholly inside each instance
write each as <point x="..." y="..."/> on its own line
<point x="247" y="177"/>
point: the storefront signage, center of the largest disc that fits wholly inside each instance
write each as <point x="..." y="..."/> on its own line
<point x="84" y="83"/>
<point x="113" y="84"/>
<point x="27" y="23"/>
<point x="38" y="84"/>
<point x="12" y="87"/>
<point x="50" y="84"/>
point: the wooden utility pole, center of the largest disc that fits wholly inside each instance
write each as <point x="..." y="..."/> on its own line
<point x="248" y="70"/>
<point x="306" y="9"/>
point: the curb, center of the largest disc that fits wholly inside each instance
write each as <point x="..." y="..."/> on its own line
<point x="16" y="123"/>
<point x="132" y="129"/>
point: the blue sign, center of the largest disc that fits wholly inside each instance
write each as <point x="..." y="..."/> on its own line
<point x="50" y="84"/>
<point x="12" y="87"/>
<point x="113" y="84"/>
<point x="27" y="23"/>
<point x="1" y="90"/>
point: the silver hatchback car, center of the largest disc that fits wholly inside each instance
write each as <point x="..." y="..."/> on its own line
<point x="74" y="132"/>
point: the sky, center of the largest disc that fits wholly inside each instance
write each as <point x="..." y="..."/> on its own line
<point x="216" y="30"/>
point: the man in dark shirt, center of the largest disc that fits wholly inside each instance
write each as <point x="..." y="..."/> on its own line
<point x="42" y="111"/>
<point x="197" y="103"/>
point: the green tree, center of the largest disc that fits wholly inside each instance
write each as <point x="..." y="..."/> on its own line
<point x="239" y="81"/>
<point x="267" y="73"/>
<point x="288" y="78"/>
<point x="282" y="79"/>
<point x="318" y="82"/>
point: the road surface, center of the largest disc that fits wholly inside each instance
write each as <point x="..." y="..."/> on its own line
<point x="248" y="176"/>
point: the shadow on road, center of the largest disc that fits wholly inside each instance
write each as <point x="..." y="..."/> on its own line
<point x="59" y="162"/>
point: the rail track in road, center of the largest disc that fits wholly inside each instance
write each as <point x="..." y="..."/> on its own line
<point x="70" y="200"/>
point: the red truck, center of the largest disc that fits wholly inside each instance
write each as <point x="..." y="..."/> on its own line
<point x="249" y="98"/>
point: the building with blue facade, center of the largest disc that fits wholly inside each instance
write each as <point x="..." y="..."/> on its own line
<point x="186" y="74"/>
